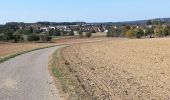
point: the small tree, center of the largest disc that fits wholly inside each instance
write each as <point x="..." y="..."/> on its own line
<point x="2" y="36"/>
<point x="138" y="33"/>
<point x="166" y="31"/>
<point x="57" y="32"/>
<point x="149" y="22"/>
<point x="130" y="33"/>
<point x="63" y="33"/>
<point x="44" y="37"/>
<point x="18" y="36"/>
<point x="149" y="31"/>
<point x="33" y="37"/>
<point x="80" y="33"/>
<point x="158" y="31"/>
<point x="71" y="32"/>
<point x="110" y="32"/>
<point x="88" y="34"/>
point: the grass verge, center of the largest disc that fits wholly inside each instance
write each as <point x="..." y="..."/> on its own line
<point x="70" y="87"/>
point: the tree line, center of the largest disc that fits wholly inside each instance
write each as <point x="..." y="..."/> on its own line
<point x="138" y="32"/>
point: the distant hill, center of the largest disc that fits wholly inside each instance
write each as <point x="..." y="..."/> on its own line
<point x="143" y="22"/>
<point x="138" y="22"/>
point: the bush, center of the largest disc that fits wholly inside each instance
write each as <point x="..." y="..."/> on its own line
<point x="33" y="37"/>
<point x="71" y="33"/>
<point x="80" y="33"/>
<point x="93" y="31"/>
<point x="17" y="36"/>
<point x="149" y="31"/>
<point x="44" y="37"/>
<point x="130" y="33"/>
<point x="2" y="37"/>
<point x="139" y="33"/>
<point x="158" y="31"/>
<point x="88" y="34"/>
<point x="112" y="32"/>
<point x="166" y="31"/>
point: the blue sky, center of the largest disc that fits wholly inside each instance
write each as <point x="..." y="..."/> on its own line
<point x="82" y="10"/>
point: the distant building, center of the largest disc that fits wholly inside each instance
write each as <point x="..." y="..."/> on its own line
<point x="44" y="29"/>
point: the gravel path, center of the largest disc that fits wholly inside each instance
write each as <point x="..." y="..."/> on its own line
<point x="26" y="77"/>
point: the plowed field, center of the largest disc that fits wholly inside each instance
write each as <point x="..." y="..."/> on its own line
<point x="7" y="49"/>
<point x="126" y="69"/>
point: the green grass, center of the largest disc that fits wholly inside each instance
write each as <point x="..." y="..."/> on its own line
<point x="55" y="70"/>
<point x="68" y="81"/>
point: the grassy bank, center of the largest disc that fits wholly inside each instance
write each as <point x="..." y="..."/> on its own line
<point x="70" y="86"/>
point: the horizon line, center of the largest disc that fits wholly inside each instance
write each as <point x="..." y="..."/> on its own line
<point x="85" y="21"/>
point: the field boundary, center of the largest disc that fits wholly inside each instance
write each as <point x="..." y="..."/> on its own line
<point x="3" y="59"/>
<point x="65" y="79"/>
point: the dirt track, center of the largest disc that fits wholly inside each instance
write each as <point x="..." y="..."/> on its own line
<point x="126" y="69"/>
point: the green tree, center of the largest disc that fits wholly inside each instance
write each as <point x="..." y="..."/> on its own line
<point x="88" y="34"/>
<point x="18" y="36"/>
<point x="166" y="31"/>
<point x="113" y="32"/>
<point x="71" y="33"/>
<point x="149" y="22"/>
<point x="44" y="37"/>
<point x="158" y="31"/>
<point x="8" y="34"/>
<point x="124" y="29"/>
<point x="149" y="31"/>
<point x="51" y="32"/>
<point x="2" y="36"/>
<point x="138" y="33"/>
<point x="110" y="32"/>
<point x="63" y="33"/>
<point x="33" y="37"/>
<point x="130" y="33"/>
<point x="57" y="32"/>
<point x="80" y="33"/>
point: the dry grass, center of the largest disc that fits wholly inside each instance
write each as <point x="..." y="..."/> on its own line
<point x="7" y="49"/>
<point x="126" y="69"/>
<point x="66" y="81"/>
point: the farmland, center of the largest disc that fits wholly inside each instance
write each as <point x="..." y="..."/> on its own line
<point x="7" y="49"/>
<point x="13" y="48"/>
<point x="126" y="69"/>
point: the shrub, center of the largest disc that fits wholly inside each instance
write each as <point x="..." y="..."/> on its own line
<point x="114" y="32"/>
<point x="80" y="33"/>
<point x="149" y="31"/>
<point x="71" y="33"/>
<point x="44" y="37"/>
<point x="88" y="34"/>
<point x="158" y="31"/>
<point x="130" y="33"/>
<point x="139" y="33"/>
<point x="166" y="31"/>
<point x="33" y="37"/>
<point x="93" y="31"/>
<point x="110" y="32"/>
<point x="17" y="36"/>
<point x="2" y="37"/>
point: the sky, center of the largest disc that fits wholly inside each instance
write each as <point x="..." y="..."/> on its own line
<point x="82" y="10"/>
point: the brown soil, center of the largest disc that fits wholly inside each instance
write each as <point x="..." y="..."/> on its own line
<point x="126" y="69"/>
<point x="13" y="48"/>
<point x="7" y="49"/>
